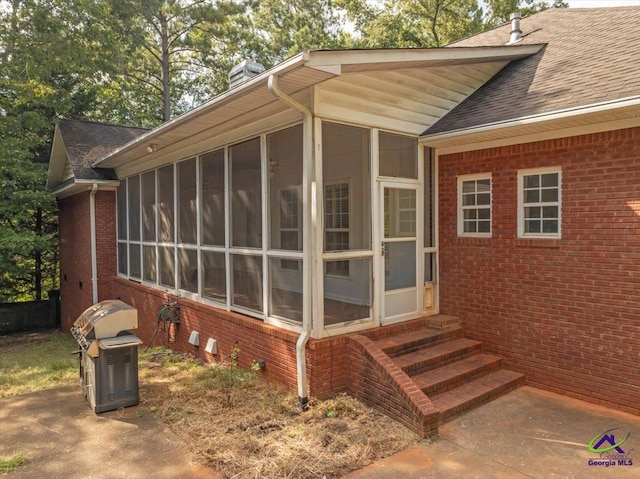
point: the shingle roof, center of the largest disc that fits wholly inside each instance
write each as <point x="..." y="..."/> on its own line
<point x="592" y="56"/>
<point x="87" y="141"/>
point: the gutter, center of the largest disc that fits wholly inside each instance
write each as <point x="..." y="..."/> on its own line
<point x="307" y="223"/>
<point x="568" y="113"/>
<point x="94" y="247"/>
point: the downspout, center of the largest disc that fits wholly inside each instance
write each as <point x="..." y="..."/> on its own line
<point x="307" y="156"/>
<point x="94" y="247"/>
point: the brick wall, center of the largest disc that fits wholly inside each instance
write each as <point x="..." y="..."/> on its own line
<point x="74" y="229"/>
<point x="75" y="257"/>
<point x="564" y="312"/>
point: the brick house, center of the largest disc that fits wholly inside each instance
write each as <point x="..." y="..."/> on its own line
<point x="424" y="229"/>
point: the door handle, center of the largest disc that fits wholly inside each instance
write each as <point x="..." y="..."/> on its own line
<point x="383" y="249"/>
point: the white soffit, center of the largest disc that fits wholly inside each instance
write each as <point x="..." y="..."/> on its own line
<point x="312" y="68"/>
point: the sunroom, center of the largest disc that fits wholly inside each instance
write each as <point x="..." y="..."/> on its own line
<point x="303" y="197"/>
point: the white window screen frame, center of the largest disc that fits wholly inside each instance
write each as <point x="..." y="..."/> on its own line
<point x="522" y="204"/>
<point x="342" y="270"/>
<point x="294" y="264"/>
<point x="462" y="179"/>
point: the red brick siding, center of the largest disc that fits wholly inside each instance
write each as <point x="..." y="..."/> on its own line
<point x="75" y="257"/>
<point x="375" y="379"/>
<point x="74" y="229"/>
<point x="564" y="312"/>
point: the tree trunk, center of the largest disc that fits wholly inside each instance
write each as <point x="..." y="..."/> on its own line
<point x="164" y="37"/>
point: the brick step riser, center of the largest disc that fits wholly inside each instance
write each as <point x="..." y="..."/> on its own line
<point x="421" y="343"/>
<point x="455" y="381"/>
<point x="439" y="361"/>
<point x="449" y="414"/>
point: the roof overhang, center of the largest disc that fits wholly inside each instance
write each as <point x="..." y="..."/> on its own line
<point x="73" y="187"/>
<point x="295" y="75"/>
<point x="610" y="115"/>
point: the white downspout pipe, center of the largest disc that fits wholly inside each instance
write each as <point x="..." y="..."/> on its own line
<point x="308" y="211"/>
<point x="94" y="246"/>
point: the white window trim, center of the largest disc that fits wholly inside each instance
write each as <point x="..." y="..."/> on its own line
<point x="341" y="181"/>
<point x="521" y="205"/>
<point x="460" y="213"/>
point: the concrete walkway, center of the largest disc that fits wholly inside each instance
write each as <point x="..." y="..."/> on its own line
<point x="528" y="433"/>
<point x="64" y="439"/>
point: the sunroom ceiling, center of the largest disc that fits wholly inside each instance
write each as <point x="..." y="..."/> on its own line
<point x="413" y="88"/>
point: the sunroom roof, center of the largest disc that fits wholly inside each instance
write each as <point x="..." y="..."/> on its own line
<point x="235" y="108"/>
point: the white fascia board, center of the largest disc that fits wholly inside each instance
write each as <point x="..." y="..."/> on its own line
<point x="323" y="59"/>
<point x="79" y="186"/>
<point x="470" y="134"/>
<point x="256" y="82"/>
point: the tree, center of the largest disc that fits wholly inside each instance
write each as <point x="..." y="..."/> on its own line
<point x="499" y="11"/>
<point x="283" y="28"/>
<point x="168" y="56"/>
<point x="412" y="23"/>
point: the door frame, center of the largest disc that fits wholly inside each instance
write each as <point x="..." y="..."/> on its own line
<point x="379" y="258"/>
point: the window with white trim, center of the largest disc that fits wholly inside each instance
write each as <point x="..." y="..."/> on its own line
<point x="289" y="225"/>
<point x="336" y="225"/>
<point x="539" y="195"/>
<point x="474" y="205"/>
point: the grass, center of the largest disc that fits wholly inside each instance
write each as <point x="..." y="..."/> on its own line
<point x="14" y="462"/>
<point x="37" y="361"/>
<point x="227" y="418"/>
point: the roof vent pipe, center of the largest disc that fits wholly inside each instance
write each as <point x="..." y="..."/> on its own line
<point x="516" y="33"/>
<point x="243" y="72"/>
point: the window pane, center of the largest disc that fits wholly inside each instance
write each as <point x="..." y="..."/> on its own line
<point x="123" y="259"/>
<point x="550" y="226"/>
<point x="122" y="211"/>
<point x="134" y="261"/>
<point x="133" y="189"/>
<point x="484" y="214"/>
<point x="532" y="181"/>
<point x="399" y="213"/>
<point x="187" y="206"/>
<point x="247" y="282"/>
<point x="532" y="212"/>
<point x="470" y="227"/>
<point x="484" y="227"/>
<point x="149" y="264"/>
<point x="470" y="214"/>
<point x="398" y="155"/>
<point x="214" y="279"/>
<point x="213" y="198"/>
<point x="532" y="196"/>
<point x="149" y="206"/>
<point x="484" y="199"/>
<point x="429" y="267"/>
<point x="532" y="226"/>
<point x="167" y="266"/>
<point x="469" y="200"/>
<point x="550" y="212"/>
<point x="246" y="199"/>
<point x="399" y="265"/>
<point x="348" y="299"/>
<point x="188" y="269"/>
<point x="484" y="186"/>
<point x="550" y="179"/>
<point x="286" y="289"/>
<point x="165" y="205"/>
<point x="284" y="153"/>
<point x="549" y="196"/>
<point x="346" y="176"/>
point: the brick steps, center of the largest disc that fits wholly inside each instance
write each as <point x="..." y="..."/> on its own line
<point x="403" y="343"/>
<point x="439" y="354"/>
<point x="447" y="367"/>
<point x="453" y="374"/>
<point x="476" y="392"/>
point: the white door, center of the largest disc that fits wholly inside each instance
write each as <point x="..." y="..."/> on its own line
<point x="399" y="251"/>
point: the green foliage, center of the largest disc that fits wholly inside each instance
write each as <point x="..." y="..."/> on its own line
<point x="230" y="379"/>
<point x="14" y="462"/>
<point x="499" y="11"/>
